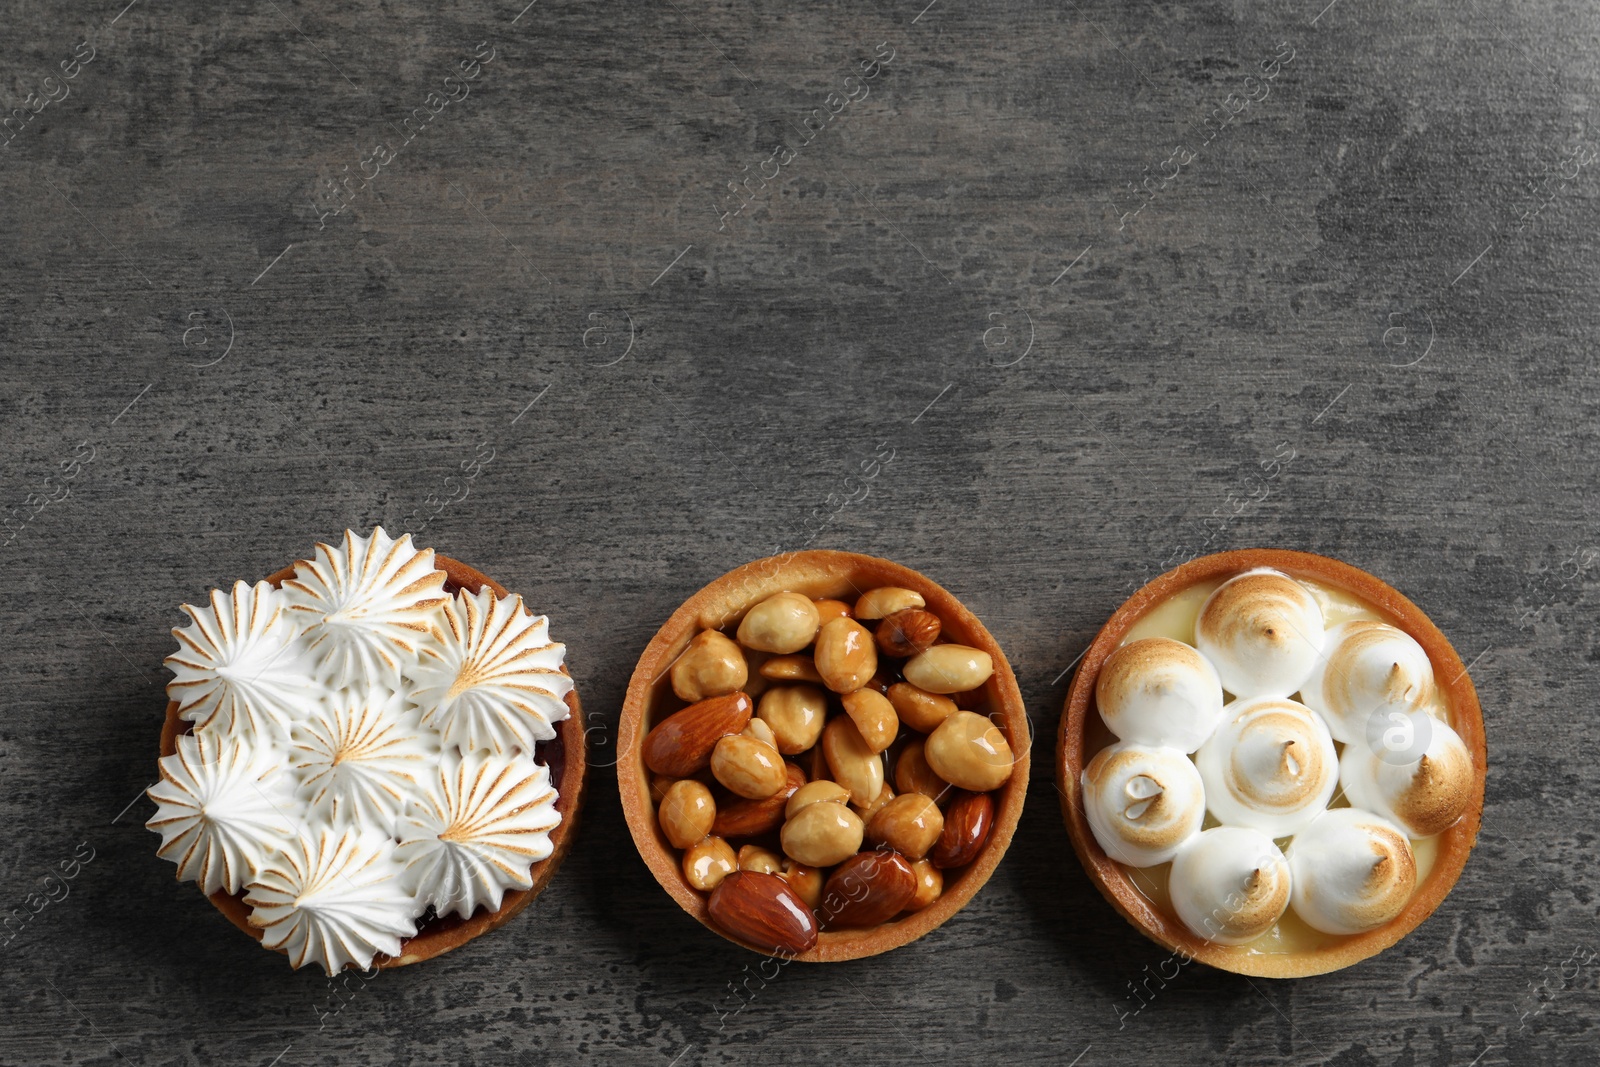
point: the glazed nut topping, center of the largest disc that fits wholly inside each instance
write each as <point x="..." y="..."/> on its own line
<point x="687" y="813"/>
<point x="906" y="633"/>
<point x="786" y="812"/>
<point x="909" y="824"/>
<point x="783" y="623"/>
<point x="795" y="714"/>
<point x="750" y="768"/>
<point x="821" y="835"/>
<point x="874" y="717"/>
<point x="885" y="601"/>
<point x="969" y="751"/>
<point x="708" y="862"/>
<point x="846" y="655"/>
<point x="949" y="669"/>
<point x="711" y="666"/>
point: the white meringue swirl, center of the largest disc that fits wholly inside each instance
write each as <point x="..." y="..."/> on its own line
<point x="1263" y="632"/>
<point x="1270" y="766"/>
<point x="361" y="757"/>
<point x="1230" y="885"/>
<point x="333" y="898"/>
<point x="1368" y="670"/>
<point x="493" y="680"/>
<point x="1159" y="692"/>
<point x="366" y="606"/>
<point x="222" y="807"/>
<point x="479" y="832"/>
<point x="239" y="669"/>
<point x="1353" y="871"/>
<point x="1142" y="802"/>
<point x="1426" y="796"/>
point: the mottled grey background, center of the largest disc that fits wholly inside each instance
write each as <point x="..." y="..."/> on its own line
<point x="1357" y="320"/>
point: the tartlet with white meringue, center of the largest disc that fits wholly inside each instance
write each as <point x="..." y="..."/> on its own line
<point x="1272" y="762"/>
<point x="370" y="757"/>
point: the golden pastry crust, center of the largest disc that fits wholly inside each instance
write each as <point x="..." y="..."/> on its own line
<point x="818" y="574"/>
<point x="443" y="934"/>
<point x="1114" y="881"/>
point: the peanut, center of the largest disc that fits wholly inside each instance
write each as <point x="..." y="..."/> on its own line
<point x="846" y="656"/>
<point x="969" y="751"/>
<point x="707" y="862"/>
<point x="949" y="668"/>
<point x="711" y="666"/>
<point x="874" y="717"/>
<point x="686" y="813"/>
<point x="782" y="623"/>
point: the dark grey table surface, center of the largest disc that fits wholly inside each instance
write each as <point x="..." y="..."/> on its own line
<point x="1112" y="284"/>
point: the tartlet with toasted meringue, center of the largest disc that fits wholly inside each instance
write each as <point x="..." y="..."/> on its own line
<point x="1272" y="762"/>
<point x="370" y="757"/>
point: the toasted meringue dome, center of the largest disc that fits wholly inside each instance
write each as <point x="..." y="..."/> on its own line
<point x="1142" y="802"/>
<point x="1424" y="797"/>
<point x="361" y="757"/>
<point x="239" y="669"/>
<point x="335" y="898"/>
<point x="478" y="832"/>
<point x="1270" y="766"/>
<point x="1369" y="669"/>
<point x="1263" y="632"/>
<point x="1230" y="885"/>
<point x="365" y="606"/>
<point x="1159" y="692"/>
<point x="1353" y="871"/>
<point x="493" y="680"/>
<point x="222" y="807"/>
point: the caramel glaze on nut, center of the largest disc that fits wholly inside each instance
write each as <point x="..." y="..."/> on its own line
<point x="765" y="911"/>
<point x="745" y="818"/>
<point x="906" y="633"/>
<point x="766" y="898"/>
<point x="967" y="823"/>
<point x="711" y="666"/>
<point x="682" y="743"/>
<point x="867" y="889"/>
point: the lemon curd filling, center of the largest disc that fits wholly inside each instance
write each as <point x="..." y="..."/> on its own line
<point x="1175" y="619"/>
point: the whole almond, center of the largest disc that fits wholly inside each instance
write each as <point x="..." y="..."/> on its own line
<point x="752" y="818"/>
<point x="763" y="910"/>
<point x="867" y="889"/>
<point x="904" y="634"/>
<point x="682" y="743"/>
<point x="967" y="823"/>
<point x="845" y="654"/>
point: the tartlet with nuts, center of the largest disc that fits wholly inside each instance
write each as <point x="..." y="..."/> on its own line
<point x="823" y="755"/>
<point x="1272" y="762"/>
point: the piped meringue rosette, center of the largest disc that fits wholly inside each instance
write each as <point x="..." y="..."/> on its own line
<point x="1290" y="756"/>
<point x="363" y="754"/>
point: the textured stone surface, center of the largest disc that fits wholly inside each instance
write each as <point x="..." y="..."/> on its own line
<point x="1382" y="268"/>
